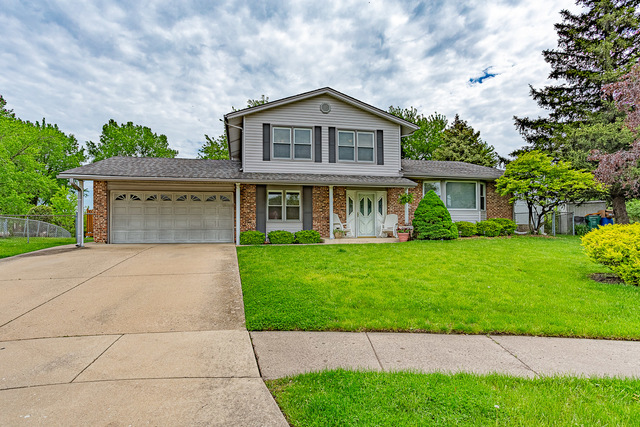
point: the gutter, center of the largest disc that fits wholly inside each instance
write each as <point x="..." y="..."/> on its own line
<point x="80" y="214"/>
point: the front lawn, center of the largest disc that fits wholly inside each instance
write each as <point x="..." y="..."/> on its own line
<point x="410" y="399"/>
<point x="520" y="285"/>
<point x="11" y="246"/>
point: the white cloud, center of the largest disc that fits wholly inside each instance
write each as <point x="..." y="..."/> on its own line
<point x="178" y="68"/>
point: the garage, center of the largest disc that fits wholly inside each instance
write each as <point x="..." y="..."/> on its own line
<point x="171" y="217"/>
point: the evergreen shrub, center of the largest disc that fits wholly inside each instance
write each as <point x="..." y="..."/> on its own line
<point x="507" y="226"/>
<point x="251" y="237"/>
<point x="432" y="221"/>
<point x="466" y="229"/>
<point x="307" y="236"/>
<point x="281" y="237"/>
<point x="618" y="247"/>
<point x="488" y="228"/>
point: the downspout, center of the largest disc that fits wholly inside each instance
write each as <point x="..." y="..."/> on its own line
<point x="331" y="212"/>
<point x="80" y="214"/>
<point x="237" y="213"/>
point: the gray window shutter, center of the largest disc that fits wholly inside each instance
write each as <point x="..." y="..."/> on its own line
<point x="266" y="141"/>
<point x="261" y="208"/>
<point x="380" y="146"/>
<point x="332" y="145"/>
<point x="317" y="143"/>
<point x="307" y="208"/>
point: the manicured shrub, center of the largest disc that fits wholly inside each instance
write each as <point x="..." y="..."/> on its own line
<point x="488" y="228"/>
<point x="432" y="221"/>
<point x="251" y="237"/>
<point x="308" y="236"/>
<point x="618" y="247"/>
<point x="507" y="226"/>
<point x="466" y="229"/>
<point x="41" y="213"/>
<point x="281" y="237"/>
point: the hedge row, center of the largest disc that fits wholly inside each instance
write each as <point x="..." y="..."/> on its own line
<point x="279" y="237"/>
<point x="490" y="228"/>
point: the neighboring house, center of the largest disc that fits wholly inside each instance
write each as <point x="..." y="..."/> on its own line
<point x="294" y="161"/>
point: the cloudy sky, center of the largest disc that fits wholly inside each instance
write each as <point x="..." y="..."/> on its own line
<point x="178" y="66"/>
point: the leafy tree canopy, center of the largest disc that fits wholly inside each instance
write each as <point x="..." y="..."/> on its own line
<point x="424" y="141"/>
<point x="544" y="184"/>
<point x="129" y="140"/>
<point x="462" y="144"/>
<point x="31" y="155"/>
<point x="216" y="149"/>
<point x="595" y="47"/>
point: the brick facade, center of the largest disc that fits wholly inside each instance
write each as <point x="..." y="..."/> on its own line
<point x="321" y="210"/>
<point x="100" y="209"/>
<point x="393" y="207"/>
<point x="497" y="206"/>
<point x="247" y="207"/>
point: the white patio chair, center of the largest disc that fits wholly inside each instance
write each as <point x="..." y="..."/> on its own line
<point x="390" y="225"/>
<point x="339" y="225"/>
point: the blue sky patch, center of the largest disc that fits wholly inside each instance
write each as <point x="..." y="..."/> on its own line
<point x="485" y="75"/>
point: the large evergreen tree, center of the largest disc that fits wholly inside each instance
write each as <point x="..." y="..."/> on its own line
<point x="595" y="47"/>
<point x="463" y="144"/>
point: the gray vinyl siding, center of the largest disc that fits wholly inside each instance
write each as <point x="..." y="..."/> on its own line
<point x="306" y="113"/>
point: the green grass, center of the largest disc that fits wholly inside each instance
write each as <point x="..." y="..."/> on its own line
<point x="410" y="399"/>
<point x="18" y="245"/>
<point x="521" y="286"/>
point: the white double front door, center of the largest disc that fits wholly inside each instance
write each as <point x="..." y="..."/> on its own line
<point x="366" y="214"/>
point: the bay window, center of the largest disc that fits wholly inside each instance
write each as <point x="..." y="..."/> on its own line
<point x="461" y="195"/>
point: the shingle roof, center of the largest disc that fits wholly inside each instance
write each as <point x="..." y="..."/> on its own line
<point x="441" y="169"/>
<point x="141" y="168"/>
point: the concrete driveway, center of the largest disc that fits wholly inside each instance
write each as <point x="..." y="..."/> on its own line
<point x="128" y="334"/>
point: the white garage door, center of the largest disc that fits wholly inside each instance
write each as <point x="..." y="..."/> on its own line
<point x="171" y="217"/>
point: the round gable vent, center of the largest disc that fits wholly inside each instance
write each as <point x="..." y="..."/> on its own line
<point x="325" y="108"/>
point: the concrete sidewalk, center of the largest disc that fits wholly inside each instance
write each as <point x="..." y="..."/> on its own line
<point x="282" y="354"/>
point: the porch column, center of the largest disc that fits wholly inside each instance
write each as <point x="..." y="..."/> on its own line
<point x="331" y="212"/>
<point x="237" y="213"/>
<point x="80" y="215"/>
<point x="406" y="209"/>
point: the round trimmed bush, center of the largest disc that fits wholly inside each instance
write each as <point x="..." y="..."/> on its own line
<point x="251" y="237"/>
<point x="466" y="229"/>
<point x="488" y="228"/>
<point x="507" y="226"/>
<point x="618" y="247"/>
<point x="432" y="221"/>
<point x="307" y="236"/>
<point x="281" y="237"/>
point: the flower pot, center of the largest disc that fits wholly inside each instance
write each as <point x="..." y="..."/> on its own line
<point x="403" y="237"/>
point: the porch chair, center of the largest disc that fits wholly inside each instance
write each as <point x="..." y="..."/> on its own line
<point x="339" y="225"/>
<point x="390" y="226"/>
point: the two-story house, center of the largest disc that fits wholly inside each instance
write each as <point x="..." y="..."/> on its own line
<point x="294" y="162"/>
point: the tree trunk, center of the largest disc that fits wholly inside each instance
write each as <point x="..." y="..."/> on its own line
<point x="620" y="209"/>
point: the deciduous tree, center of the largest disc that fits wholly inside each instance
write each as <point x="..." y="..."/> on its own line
<point x="129" y="140"/>
<point x="424" y="141"/>
<point x="216" y="149"/>
<point x="544" y="184"/>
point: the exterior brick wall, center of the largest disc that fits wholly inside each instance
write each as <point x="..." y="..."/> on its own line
<point x="321" y="210"/>
<point x="247" y="207"/>
<point x="340" y="202"/>
<point x="100" y="209"/>
<point x="393" y="207"/>
<point x="497" y="206"/>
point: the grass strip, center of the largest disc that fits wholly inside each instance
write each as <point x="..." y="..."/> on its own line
<point x="349" y="398"/>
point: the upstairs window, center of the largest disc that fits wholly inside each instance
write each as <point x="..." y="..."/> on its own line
<point x="291" y="143"/>
<point x="355" y="146"/>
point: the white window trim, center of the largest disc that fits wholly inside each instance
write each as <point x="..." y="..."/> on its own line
<point x="292" y="143"/>
<point x="355" y="146"/>
<point x="432" y="180"/>
<point x="283" y="195"/>
<point x="462" y="209"/>
<point x="482" y="185"/>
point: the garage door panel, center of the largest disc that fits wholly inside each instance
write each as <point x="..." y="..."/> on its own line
<point x="172" y="217"/>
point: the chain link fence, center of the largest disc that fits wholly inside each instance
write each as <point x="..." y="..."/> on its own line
<point x="23" y="226"/>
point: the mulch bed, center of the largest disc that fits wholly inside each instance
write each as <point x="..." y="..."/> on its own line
<point x="606" y="278"/>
